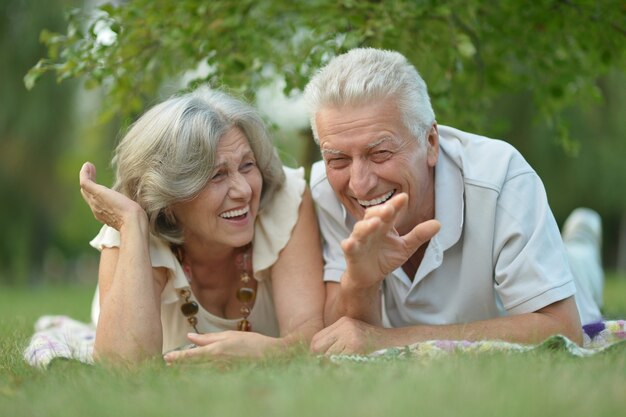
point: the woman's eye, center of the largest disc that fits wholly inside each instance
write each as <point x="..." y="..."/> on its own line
<point x="218" y="175"/>
<point x="248" y="165"/>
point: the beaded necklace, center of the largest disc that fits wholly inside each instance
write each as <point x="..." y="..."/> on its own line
<point x="245" y="294"/>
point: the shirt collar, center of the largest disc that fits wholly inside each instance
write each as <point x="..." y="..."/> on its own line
<point x="449" y="200"/>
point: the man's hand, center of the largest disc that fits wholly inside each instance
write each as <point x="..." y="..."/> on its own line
<point x="374" y="248"/>
<point x="348" y="335"/>
<point x="372" y="251"/>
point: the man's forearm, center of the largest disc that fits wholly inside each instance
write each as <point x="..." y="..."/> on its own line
<point x="361" y="303"/>
<point x="526" y="328"/>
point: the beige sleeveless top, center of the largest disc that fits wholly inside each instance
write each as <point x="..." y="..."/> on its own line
<point x="272" y="231"/>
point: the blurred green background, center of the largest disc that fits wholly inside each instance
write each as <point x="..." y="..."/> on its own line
<point x="548" y="78"/>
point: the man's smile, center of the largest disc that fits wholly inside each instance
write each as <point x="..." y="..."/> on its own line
<point x="376" y="201"/>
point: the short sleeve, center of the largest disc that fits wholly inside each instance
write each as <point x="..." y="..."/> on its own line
<point x="532" y="270"/>
<point x="108" y="237"/>
<point x="160" y="256"/>
<point x="276" y="221"/>
<point x="331" y="220"/>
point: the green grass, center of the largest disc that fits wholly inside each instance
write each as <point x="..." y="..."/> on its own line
<point x="532" y="384"/>
<point x="614" y="297"/>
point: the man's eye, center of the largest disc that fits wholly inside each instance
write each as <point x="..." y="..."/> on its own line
<point x="337" y="162"/>
<point x="380" y="156"/>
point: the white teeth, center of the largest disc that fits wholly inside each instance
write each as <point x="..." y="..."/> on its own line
<point x="234" y="213"/>
<point x="368" y="203"/>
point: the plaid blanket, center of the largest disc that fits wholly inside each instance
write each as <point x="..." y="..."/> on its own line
<point x="61" y="337"/>
<point x="597" y="337"/>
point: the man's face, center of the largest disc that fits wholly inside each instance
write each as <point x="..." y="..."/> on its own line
<point x="370" y="156"/>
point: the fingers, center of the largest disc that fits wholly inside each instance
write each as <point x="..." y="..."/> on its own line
<point x="388" y="211"/>
<point x="327" y="345"/>
<point x="199" y="351"/>
<point x="382" y="217"/>
<point x="363" y="230"/>
<point x="377" y="221"/>
<point x="87" y="179"/>
<point x="206" y="338"/>
<point x="87" y="173"/>
<point x="340" y="337"/>
<point x="185" y="355"/>
<point x="324" y="339"/>
<point x="221" y="346"/>
<point x="345" y="336"/>
<point x="421" y="233"/>
<point x="399" y="201"/>
<point x="387" y="214"/>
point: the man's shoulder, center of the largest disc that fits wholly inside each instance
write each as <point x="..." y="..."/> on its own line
<point x="318" y="175"/>
<point x="328" y="206"/>
<point x="320" y="188"/>
<point x="483" y="161"/>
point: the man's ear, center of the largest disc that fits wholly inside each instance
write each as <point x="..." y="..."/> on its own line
<point x="432" y="145"/>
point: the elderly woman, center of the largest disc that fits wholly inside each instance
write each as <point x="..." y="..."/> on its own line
<point x="208" y="239"/>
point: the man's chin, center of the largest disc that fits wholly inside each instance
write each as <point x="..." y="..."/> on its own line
<point x="357" y="212"/>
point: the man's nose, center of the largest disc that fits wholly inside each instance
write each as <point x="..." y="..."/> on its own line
<point x="362" y="179"/>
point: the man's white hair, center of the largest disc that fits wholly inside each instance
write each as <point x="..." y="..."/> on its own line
<point x="367" y="75"/>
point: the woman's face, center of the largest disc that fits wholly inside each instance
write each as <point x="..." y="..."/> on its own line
<point x="224" y="212"/>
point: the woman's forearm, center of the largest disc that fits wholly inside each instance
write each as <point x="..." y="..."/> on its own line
<point x="301" y="334"/>
<point x="129" y="326"/>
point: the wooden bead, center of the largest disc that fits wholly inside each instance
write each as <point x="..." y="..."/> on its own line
<point x="244" y="326"/>
<point x="190" y="308"/>
<point x="245" y="294"/>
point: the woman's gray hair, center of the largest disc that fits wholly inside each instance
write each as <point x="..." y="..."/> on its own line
<point x="366" y="75"/>
<point x="168" y="154"/>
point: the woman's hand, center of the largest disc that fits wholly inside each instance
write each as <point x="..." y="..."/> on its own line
<point x="108" y="206"/>
<point x="225" y="345"/>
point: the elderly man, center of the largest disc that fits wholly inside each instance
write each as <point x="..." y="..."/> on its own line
<point x="453" y="229"/>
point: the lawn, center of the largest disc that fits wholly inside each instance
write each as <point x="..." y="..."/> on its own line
<point x="531" y="384"/>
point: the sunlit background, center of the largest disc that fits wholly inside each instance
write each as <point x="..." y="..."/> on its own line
<point x="48" y="132"/>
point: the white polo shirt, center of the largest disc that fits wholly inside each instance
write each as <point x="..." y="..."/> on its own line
<point x="499" y="250"/>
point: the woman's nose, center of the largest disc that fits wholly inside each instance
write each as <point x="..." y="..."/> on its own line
<point x="239" y="187"/>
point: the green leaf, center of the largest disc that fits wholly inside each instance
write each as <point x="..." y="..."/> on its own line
<point x="34" y="73"/>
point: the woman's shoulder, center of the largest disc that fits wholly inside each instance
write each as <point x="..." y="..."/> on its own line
<point x="287" y="198"/>
<point x="277" y="219"/>
<point x="294" y="180"/>
<point x="161" y="255"/>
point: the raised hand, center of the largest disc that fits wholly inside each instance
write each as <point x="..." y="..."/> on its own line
<point x="375" y="249"/>
<point x="108" y="206"/>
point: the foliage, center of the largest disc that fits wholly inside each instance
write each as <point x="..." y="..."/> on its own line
<point x="34" y="133"/>
<point x="469" y="52"/>
<point x="492" y="67"/>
